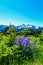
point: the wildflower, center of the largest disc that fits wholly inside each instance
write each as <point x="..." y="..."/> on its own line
<point x="24" y="42"/>
<point x="19" y="40"/>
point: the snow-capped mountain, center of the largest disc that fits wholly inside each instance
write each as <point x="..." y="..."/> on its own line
<point x="20" y="27"/>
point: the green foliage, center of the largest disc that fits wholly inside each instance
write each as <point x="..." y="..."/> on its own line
<point x="24" y="32"/>
<point x="12" y="54"/>
<point x="41" y="36"/>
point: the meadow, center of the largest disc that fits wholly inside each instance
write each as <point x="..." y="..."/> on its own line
<point x="21" y="47"/>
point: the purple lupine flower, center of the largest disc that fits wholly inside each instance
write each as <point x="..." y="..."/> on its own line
<point x="25" y="43"/>
<point x="19" y="40"/>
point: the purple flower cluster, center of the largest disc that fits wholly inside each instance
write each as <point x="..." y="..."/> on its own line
<point x="19" y="40"/>
<point x="23" y="41"/>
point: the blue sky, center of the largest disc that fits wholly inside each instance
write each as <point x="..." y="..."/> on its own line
<point x="21" y="12"/>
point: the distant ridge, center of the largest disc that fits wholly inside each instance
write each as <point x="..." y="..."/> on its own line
<point x="19" y="27"/>
<point x="2" y="27"/>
